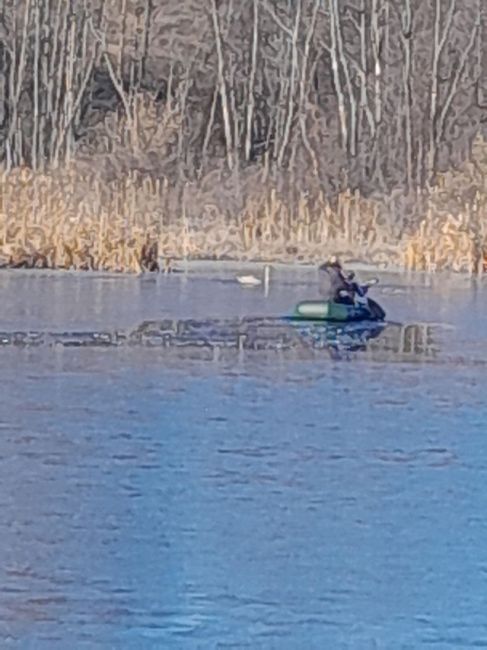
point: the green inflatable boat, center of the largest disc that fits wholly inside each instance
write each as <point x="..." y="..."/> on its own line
<point x="327" y="310"/>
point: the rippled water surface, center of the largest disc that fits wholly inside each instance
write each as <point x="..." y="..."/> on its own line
<point x="152" y="500"/>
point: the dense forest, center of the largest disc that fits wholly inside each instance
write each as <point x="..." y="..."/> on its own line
<point x="280" y="129"/>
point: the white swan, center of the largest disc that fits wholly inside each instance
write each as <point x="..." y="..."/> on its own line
<point x="253" y="281"/>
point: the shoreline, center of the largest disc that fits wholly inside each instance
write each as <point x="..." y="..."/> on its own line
<point x="214" y="266"/>
<point x="208" y="267"/>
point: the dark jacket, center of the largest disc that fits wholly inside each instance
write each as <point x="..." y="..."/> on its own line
<point x="332" y="281"/>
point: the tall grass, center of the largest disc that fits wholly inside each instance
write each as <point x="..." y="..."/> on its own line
<point x="71" y="218"/>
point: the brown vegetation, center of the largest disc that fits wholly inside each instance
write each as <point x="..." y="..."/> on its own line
<point x="135" y="131"/>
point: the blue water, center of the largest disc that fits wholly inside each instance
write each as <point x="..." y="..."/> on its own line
<point x="260" y="503"/>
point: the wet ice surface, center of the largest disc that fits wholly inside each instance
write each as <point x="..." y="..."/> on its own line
<point x="152" y="501"/>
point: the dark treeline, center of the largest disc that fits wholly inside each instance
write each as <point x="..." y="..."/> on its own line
<point x="363" y="94"/>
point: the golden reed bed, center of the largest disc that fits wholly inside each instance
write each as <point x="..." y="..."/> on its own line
<point x="73" y="220"/>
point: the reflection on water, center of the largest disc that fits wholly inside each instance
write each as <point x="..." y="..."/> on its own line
<point x="260" y="499"/>
<point x="212" y="339"/>
<point x="412" y="342"/>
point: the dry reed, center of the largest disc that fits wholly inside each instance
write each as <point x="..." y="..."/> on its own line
<point x="72" y="219"/>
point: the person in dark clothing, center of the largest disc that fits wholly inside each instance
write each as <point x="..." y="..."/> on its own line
<point x="333" y="283"/>
<point x="354" y="286"/>
<point x="341" y="288"/>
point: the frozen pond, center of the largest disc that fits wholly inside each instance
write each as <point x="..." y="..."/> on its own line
<point x="265" y="501"/>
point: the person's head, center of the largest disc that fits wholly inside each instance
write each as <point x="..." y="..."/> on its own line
<point x="332" y="261"/>
<point x="350" y="276"/>
<point x="331" y="265"/>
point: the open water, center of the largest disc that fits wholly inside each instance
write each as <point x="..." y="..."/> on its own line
<point x="159" y="497"/>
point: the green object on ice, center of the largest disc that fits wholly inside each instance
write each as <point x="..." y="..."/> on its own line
<point x="328" y="310"/>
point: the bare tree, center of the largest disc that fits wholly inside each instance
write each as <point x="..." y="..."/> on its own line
<point x="263" y="84"/>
